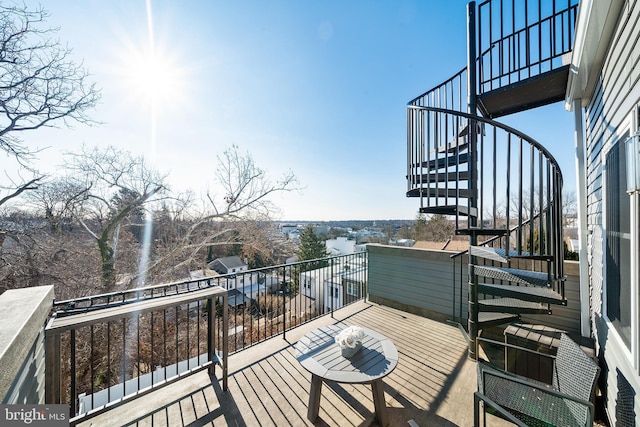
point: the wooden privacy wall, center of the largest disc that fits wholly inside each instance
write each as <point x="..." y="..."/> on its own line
<point x="421" y="281"/>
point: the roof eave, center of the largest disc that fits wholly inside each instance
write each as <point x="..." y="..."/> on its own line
<point x="595" y="27"/>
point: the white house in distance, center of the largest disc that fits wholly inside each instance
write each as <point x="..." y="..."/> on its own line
<point x="340" y="246"/>
<point x="237" y="276"/>
<point x="228" y="265"/>
<point x="335" y="285"/>
<point x="344" y="288"/>
<point x="343" y="246"/>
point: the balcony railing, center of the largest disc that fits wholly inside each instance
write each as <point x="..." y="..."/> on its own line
<point x="106" y="349"/>
<point x="103" y="357"/>
<point x="520" y="39"/>
<point x="416" y="281"/>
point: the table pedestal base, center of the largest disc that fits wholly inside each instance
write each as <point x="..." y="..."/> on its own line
<point x="377" y="388"/>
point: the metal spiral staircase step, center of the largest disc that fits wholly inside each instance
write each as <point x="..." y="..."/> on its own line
<point x="434" y="177"/>
<point x="477" y="231"/>
<point x="525" y="94"/>
<point x="502" y="255"/>
<point x="513" y="275"/>
<point x="461" y="143"/>
<point x="446" y="162"/>
<point x="488" y="319"/>
<point x="450" y="210"/>
<point x="512" y="305"/>
<point x="525" y="293"/>
<point x="461" y="193"/>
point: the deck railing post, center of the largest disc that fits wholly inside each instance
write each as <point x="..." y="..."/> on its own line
<point x="52" y="368"/>
<point x="284" y="311"/>
<point x="211" y="332"/>
<point x="225" y="340"/>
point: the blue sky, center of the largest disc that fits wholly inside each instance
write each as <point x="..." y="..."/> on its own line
<point x="318" y="87"/>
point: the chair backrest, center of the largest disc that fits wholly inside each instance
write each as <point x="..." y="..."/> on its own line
<point x="575" y="373"/>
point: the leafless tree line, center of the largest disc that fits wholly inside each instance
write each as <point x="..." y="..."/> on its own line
<point x="109" y="220"/>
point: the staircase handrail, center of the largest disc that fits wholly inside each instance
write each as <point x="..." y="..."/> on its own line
<point x="417" y="100"/>
<point x="494" y="238"/>
<point x="502" y="126"/>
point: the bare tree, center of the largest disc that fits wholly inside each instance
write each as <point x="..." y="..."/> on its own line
<point x="569" y="208"/>
<point x="245" y="186"/>
<point x="40" y="86"/>
<point x="57" y="200"/>
<point x="15" y="190"/>
<point x="243" y="198"/>
<point x="116" y="186"/>
<point x="33" y="256"/>
<point x="440" y="228"/>
<point x="434" y="228"/>
<point x="111" y="193"/>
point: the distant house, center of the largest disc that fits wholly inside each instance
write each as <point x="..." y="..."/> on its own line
<point x="286" y="229"/>
<point x="361" y="248"/>
<point x="228" y="265"/>
<point x="243" y="285"/>
<point x="334" y="286"/>
<point x="340" y="246"/>
<point x="253" y="290"/>
<point x="238" y="299"/>
<point x="402" y="242"/>
<point x="342" y="289"/>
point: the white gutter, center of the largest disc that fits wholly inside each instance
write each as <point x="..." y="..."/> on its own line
<point x="595" y="26"/>
<point x="583" y="232"/>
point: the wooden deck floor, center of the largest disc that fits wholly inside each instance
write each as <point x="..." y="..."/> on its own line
<point x="432" y="385"/>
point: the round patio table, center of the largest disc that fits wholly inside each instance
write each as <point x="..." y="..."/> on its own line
<point x="319" y="354"/>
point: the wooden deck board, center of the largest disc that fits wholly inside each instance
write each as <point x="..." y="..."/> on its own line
<point x="432" y="385"/>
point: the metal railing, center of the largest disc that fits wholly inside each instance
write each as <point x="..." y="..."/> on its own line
<point x="516" y="178"/>
<point x="516" y="40"/>
<point x="103" y="357"/>
<point x="518" y="182"/>
<point x="105" y="349"/>
<point x="493" y="179"/>
<point x="450" y="95"/>
<point x="460" y="289"/>
<point x="520" y="39"/>
<point x="269" y="301"/>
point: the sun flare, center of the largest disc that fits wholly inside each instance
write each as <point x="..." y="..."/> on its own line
<point x="154" y="77"/>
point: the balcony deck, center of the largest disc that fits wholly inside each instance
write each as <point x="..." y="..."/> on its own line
<point x="432" y="385"/>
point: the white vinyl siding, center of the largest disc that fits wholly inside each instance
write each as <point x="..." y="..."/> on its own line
<point x="608" y="117"/>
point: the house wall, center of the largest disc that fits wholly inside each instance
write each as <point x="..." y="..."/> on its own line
<point x="342" y="244"/>
<point x="23" y="313"/>
<point x="421" y="281"/>
<point x="415" y="280"/>
<point x="607" y="117"/>
<point x="333" y="295"/>
<point x="564" y="318"/>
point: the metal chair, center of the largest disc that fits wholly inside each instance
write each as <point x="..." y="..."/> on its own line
<point x="526" y="402"/>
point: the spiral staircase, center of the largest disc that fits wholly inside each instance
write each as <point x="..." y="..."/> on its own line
<point x="501" y="187"/>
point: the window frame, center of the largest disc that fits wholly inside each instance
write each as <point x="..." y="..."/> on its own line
<point x="352" y="289"/>
<point x="631" y="352"/>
